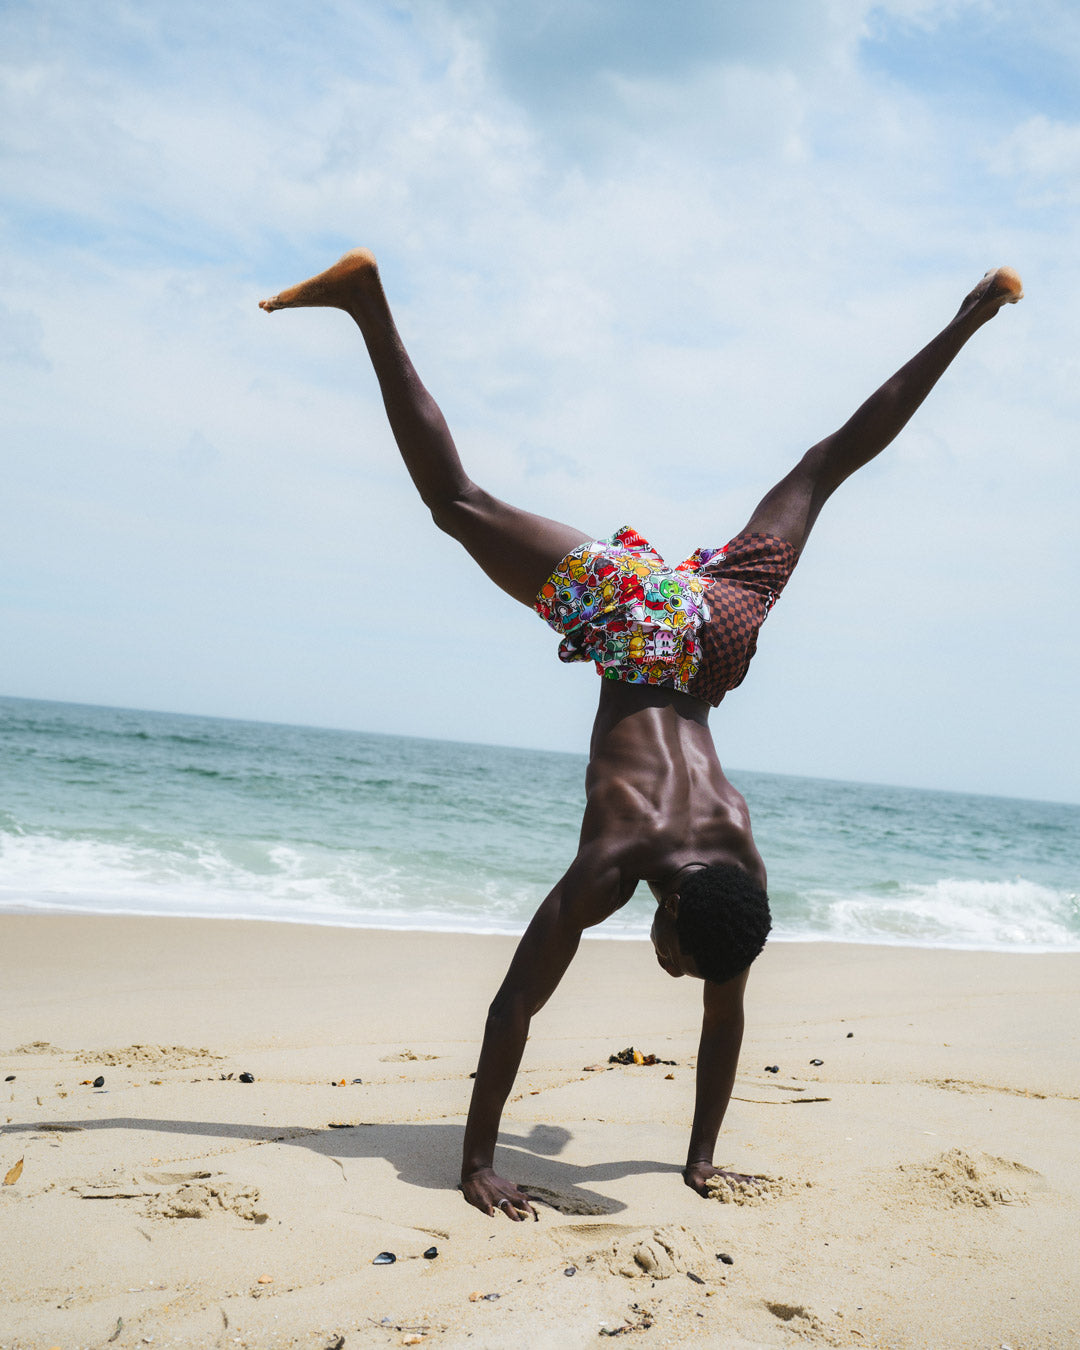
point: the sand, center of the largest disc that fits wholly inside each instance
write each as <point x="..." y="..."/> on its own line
<point x="924" y="1179"/>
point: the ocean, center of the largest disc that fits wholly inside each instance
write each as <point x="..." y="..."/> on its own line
<point x="112" y="811"/>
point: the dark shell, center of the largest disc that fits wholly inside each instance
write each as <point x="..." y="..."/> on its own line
<point x="431" y="1254"/>
<point x="696" y="1278"/>
<point x="570" y="1270"/>
<point x="727" y="1260"/>
<point x="247" y="1078"/>
<point x="817" y="1063"/>
<point x="384" y="1259"/>
<point x="99" y="1081"/>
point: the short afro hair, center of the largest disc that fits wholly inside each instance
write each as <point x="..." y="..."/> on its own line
<point x="723" y="920"/>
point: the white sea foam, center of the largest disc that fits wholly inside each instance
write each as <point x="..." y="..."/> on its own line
<point x="253" y="880"/>
<point x="1014" y="915"/>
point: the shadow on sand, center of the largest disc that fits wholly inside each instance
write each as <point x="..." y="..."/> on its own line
<point x="423" y="1154"/>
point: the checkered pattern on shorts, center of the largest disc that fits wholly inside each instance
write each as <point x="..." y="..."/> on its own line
<point x="742" y="583"/>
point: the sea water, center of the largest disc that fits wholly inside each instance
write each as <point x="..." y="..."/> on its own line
<point x="111" y="811"/>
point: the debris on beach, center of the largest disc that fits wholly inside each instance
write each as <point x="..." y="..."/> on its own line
<point x="772" y="1068"/>
<point x="10" y="1078"/>
<point x="696" y="1278"/>
<point x="570" y="1270"/>
<point x="14" y="1173"/>
<point x="817" y="1063"/>
<point x="247" y="1078"/>
<point x="265" y="1279"/>
<point x="384" y="1259"/>
<point x="727" y="1260"/>
<point x="431" y="1254"/>
<point x="643" y="1323"/>
<point x="632" y="1056"/>
<point x="99" y="1081"/>
<point x="418" y="1330"/>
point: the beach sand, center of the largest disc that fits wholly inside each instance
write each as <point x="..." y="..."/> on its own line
<point x="926" y="1175"/>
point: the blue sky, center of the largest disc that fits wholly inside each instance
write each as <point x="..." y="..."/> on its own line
<point x="643" y="255"/>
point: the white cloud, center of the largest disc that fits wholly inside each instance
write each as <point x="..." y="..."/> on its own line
<point x="639" y="303"/>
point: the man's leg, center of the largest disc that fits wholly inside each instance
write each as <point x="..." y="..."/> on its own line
<point x="790" y="509"/>
<point x="517" y="550"/>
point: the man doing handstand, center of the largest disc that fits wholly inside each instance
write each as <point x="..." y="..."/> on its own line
<point x="670" y="642"/>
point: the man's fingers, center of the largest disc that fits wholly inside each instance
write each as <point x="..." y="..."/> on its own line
<point x="525" y="1205"/>
<point x="516" y="1207"/>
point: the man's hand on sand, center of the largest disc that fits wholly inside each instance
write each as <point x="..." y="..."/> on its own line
<point x="490" y="1194"/>
<point x="698" y="1175"/>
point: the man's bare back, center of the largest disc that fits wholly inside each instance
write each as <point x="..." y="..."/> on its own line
<point x="655" y="792"/>
<point x="659" y="808"/>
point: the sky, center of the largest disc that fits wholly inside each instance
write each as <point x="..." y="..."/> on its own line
<point x="643" y="255"/>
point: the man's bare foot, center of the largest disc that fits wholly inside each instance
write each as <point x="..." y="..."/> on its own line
<point x="1001" y="286"/>
<point x="336" y="288"/>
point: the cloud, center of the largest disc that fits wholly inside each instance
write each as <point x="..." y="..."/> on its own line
<point x="642" y="264"/>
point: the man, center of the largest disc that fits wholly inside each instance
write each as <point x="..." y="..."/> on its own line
<point x="670" y="642"/>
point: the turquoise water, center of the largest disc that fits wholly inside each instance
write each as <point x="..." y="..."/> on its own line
<point x="106" y="810"/>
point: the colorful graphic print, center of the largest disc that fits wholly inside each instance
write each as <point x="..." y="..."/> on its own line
<point x="618" y="603"/>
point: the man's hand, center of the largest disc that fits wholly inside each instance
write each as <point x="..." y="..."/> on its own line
<point x="698" y="1175"/>
<point x="488" y="1192"/>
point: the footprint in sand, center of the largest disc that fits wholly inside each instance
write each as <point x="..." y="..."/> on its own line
<point x="147" y="1056"/>
<point x="657" y="1254"/>
<point x="204" y="1199"/>
<point x="972" y="1180"/>
<point x="192" y="1195"/>
<point x="805" y="1324"/>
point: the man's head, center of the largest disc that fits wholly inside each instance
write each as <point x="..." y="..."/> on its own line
<point x="712" y="923"/>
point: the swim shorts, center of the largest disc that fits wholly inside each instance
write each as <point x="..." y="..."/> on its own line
<point x="692" y="627"/>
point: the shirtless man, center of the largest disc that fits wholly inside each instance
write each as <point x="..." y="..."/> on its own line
<point x="670" y="642"/>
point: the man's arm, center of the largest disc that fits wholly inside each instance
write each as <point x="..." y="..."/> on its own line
<point x="718" y="1058"/>
<point x="590" y="891"/>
